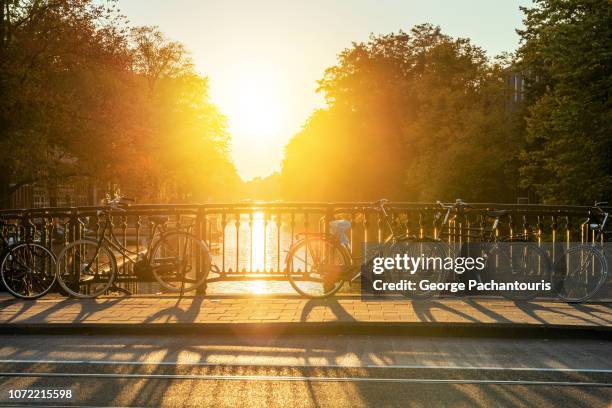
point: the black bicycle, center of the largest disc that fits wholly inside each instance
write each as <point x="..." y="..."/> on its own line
<point x="27" y="267"/>
<point x="514" y="262"/>
<point x="583" y="269"/>
<point x="176" y="258"/>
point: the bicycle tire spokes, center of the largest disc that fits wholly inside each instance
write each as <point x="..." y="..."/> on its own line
<point x="433" y="273"/>
<point x="85" y="269"/>
<point x="179" y="261"/>
<point x="522" y="263"/>
<point x="28" y="270"/>
<point x="316" y="267"/>
<point x="580" y="273"/>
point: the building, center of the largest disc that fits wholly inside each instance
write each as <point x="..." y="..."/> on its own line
<point x="71" y="193"/>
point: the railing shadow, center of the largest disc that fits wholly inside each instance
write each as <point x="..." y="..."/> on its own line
<point x="423" y="310"/>
<point x="531" y="309"/>
<point x="86" y="309"/>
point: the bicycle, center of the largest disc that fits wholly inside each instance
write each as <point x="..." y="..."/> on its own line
<point x="508" y="260"/>
<point x="318" y="264"/>
<point x="331" y="263"/>
<point x="583" y="269"/>
<point x="177" y="259"/>
<point x="27" y="268"/>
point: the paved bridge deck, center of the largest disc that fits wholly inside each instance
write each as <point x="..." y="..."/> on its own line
<point x="157" y="311"/>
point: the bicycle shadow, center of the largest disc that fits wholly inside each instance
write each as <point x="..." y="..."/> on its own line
<point x="487" y="312"/>
<point x="23" y="305"/>
<point x="86" y="308"/>
<point x="185" y="316"/>
<point x="423" y="310"/>
<point x="332" y="304"/>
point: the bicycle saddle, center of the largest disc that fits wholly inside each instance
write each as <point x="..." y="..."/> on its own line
<point x="497" y="213"/>
<point x="159" y="219"/>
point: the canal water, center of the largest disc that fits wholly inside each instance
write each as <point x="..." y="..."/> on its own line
<point x="253" y="247"/>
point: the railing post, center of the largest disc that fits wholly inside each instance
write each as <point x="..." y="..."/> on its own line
<point x="329" y="217"/>
<point x="200" y="233"/>
<point x="251" y="241"/>
<point x="237" y="249"/>
<point x="74" y="226"/>
<point x="279" y="223"/>
<point x="553" y="250"/>
<point x="223" y="225"/>
<point x="74" y="234"/>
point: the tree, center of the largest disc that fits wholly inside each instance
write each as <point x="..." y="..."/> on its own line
<point x="85" y="94"/>
<point x="567" y="52"/>
<point x="47" y="49"/>
<point x="186" y="143"/>
<point x="414" y="116"/>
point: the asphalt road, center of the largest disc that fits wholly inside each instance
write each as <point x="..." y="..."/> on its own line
<point x="350" y="370"/>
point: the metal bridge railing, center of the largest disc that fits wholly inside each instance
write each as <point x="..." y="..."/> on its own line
<point x="250" y="240"/>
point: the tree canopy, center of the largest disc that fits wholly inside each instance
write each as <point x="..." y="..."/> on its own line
<point x="83" y="93"/>
<point x="413" y="115"/>
<point x="566" y="55"/>
<point x="420" y="115"/>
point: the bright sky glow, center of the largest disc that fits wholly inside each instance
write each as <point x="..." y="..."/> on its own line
<point x="264" y="57"/>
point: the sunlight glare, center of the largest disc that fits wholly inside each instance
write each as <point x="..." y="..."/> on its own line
<point x="258" y="288"/>
<point x="257" y="104"/>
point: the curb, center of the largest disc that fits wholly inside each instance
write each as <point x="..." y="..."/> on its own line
<point x="428" y="329"/>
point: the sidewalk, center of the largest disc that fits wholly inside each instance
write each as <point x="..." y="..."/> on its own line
<point x="154" y="312"/>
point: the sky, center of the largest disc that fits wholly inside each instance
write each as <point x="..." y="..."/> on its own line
<point x="263" y="57"/>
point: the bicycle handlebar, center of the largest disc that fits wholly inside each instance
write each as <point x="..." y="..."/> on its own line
<point x="459" y="203"/>
<point x="379" y="203"/>
<point x="598" y="205"/>
<point x="602" y="213"/>
<point x="116" y="202"/>
<point x="441" y="204"/>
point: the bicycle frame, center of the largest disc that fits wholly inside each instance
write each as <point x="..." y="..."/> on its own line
<point x="601" y="227"/>
<point x="114" y="243"/>
<point x="110" y="239"/>
<point x="355" y="265"/>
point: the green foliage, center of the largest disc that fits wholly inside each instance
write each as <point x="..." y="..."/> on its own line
<point x="415" y="116"/>
<point x="85" y="94"/>
<point x="567" y="55"/>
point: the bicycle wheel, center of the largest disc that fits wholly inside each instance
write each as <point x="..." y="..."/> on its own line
<point x="580" y="273"/>
<point x="85" y="269"/>
<point x="28" y="270"/>
<point x="519" y="263"/>
<point x="317" y="266"/>
<point x="180" y="261"/>
<point x="431" y="271"/>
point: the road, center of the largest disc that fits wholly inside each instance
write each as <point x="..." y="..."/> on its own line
<point x="341" y="370"/>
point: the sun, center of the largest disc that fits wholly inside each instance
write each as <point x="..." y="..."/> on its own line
<point x="257" y="106"/>
<point x="255" y="96"/>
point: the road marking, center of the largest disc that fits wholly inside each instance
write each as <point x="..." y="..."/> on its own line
<point x="305" y="378"/>
<point x="305" y="365"/>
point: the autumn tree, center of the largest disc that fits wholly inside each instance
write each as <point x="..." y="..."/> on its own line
<point x="85" y="94"/>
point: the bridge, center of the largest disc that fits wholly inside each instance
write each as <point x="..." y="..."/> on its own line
<point x="249" y="240"/>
